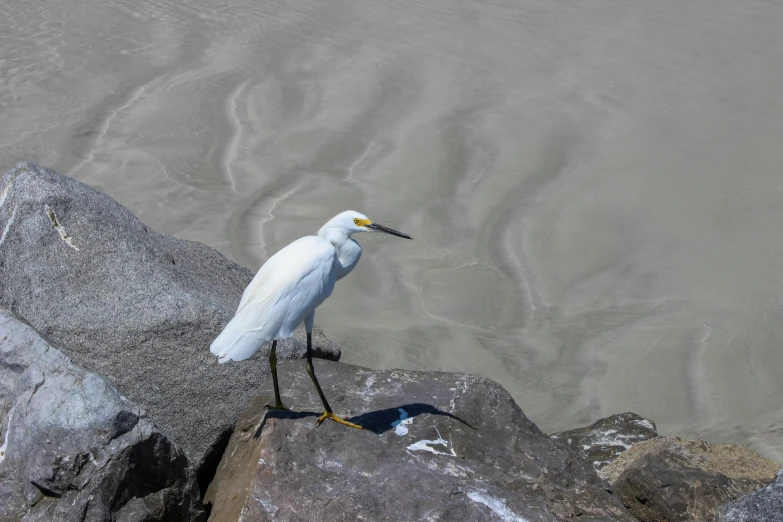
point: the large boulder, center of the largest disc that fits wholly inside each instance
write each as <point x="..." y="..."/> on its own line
<point x="436" y="446"/>
<point x="136" y="307"/>
<point x="675" y="480"/>
<point x="75" y="449"/>
<point x="601" y="442"/>
<point x="764" y="505"/>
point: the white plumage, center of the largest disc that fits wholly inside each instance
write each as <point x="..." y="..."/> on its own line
<point x="288" y="288"/>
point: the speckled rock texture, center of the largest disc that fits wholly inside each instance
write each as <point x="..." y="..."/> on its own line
<point x="674" y="480"/>
<point x="437" y="446"/>
<point x="74" y="449"/>
<point x="601" y="442"/>
<point x="764" y="505"/>
<point x="136" y="307"/>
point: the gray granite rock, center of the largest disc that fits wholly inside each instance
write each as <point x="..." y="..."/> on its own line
<point x="764" y="505"/>
<point x="136" y="307"/>
<point x="675" y="480"/>
<point x="437" y="446"/>
<point x="601" y="442"/>
<point x="74" y="449"/>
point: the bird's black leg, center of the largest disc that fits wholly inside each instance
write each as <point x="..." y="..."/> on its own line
<point x="311" y="371"/>
<point x="273" y="365"/>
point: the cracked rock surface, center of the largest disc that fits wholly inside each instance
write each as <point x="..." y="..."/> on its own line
<point x="74" y="449"/>
<point x="676" y="480"/>
<point x="136" y="307"/>
<point x="601" y="442"/>
<point x="439" y="446"/>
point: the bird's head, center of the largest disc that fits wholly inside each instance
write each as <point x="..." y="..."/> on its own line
<point x="352" y="222"/>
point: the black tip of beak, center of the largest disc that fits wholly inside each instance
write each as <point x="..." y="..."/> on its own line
<point x="376" y="226"/>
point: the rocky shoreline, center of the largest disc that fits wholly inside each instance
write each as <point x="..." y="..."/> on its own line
<point x="112" y="407"/>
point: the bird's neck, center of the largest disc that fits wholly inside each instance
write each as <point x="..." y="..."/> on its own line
<point x="335" y="235"/>
<point x="348" y="250"/>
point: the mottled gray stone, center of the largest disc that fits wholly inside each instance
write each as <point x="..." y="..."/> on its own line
<point x="75" y="449"/>
<point x="764" y="505"/>
<point x="674" y="480"/>
<point x="136" y="307"/>
<point x="601" y="442"/>
<point x="437" y="446"/>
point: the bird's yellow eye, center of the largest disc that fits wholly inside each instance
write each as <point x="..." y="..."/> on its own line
<point x="357" y="221"/>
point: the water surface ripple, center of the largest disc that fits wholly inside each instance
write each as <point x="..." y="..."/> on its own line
<point x="594" y="187"/>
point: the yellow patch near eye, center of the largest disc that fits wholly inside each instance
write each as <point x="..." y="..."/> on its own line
<point x="362" y="222"/>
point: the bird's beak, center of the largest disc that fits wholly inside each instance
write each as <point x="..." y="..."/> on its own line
<point x="381" y="228"/>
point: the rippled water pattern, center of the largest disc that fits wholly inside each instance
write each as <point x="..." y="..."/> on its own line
<point x="594" y="187"/>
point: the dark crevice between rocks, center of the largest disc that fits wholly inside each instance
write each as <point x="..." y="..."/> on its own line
<point x="144" y="480"/>
<point x="209" y="467"/>
<point x="47" y="487"/>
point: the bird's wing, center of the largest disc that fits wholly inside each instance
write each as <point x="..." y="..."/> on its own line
<point x="287" y="268"/>
<point x="291" y="284"/>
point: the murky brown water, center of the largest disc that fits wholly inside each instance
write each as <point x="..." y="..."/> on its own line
<point x="594" y="187"/>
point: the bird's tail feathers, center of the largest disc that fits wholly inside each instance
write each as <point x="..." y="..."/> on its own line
<point x="234" y="344"/>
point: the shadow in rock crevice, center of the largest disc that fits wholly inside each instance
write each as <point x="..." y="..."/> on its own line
<point x="206" y="472"/>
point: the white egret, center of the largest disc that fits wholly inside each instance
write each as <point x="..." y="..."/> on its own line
<point x="288" y="288"/>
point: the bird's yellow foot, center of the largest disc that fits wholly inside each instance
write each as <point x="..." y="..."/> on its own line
<point x="278" y="406"/>
<point x="335" y="418"/>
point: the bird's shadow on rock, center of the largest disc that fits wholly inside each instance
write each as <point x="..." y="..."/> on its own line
<point x="381" y="421"/>
<point x="378" y="421"/>
<point x="282" y="414"/>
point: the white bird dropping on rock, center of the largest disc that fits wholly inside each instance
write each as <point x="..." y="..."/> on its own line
<point x="288" y="288"/>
